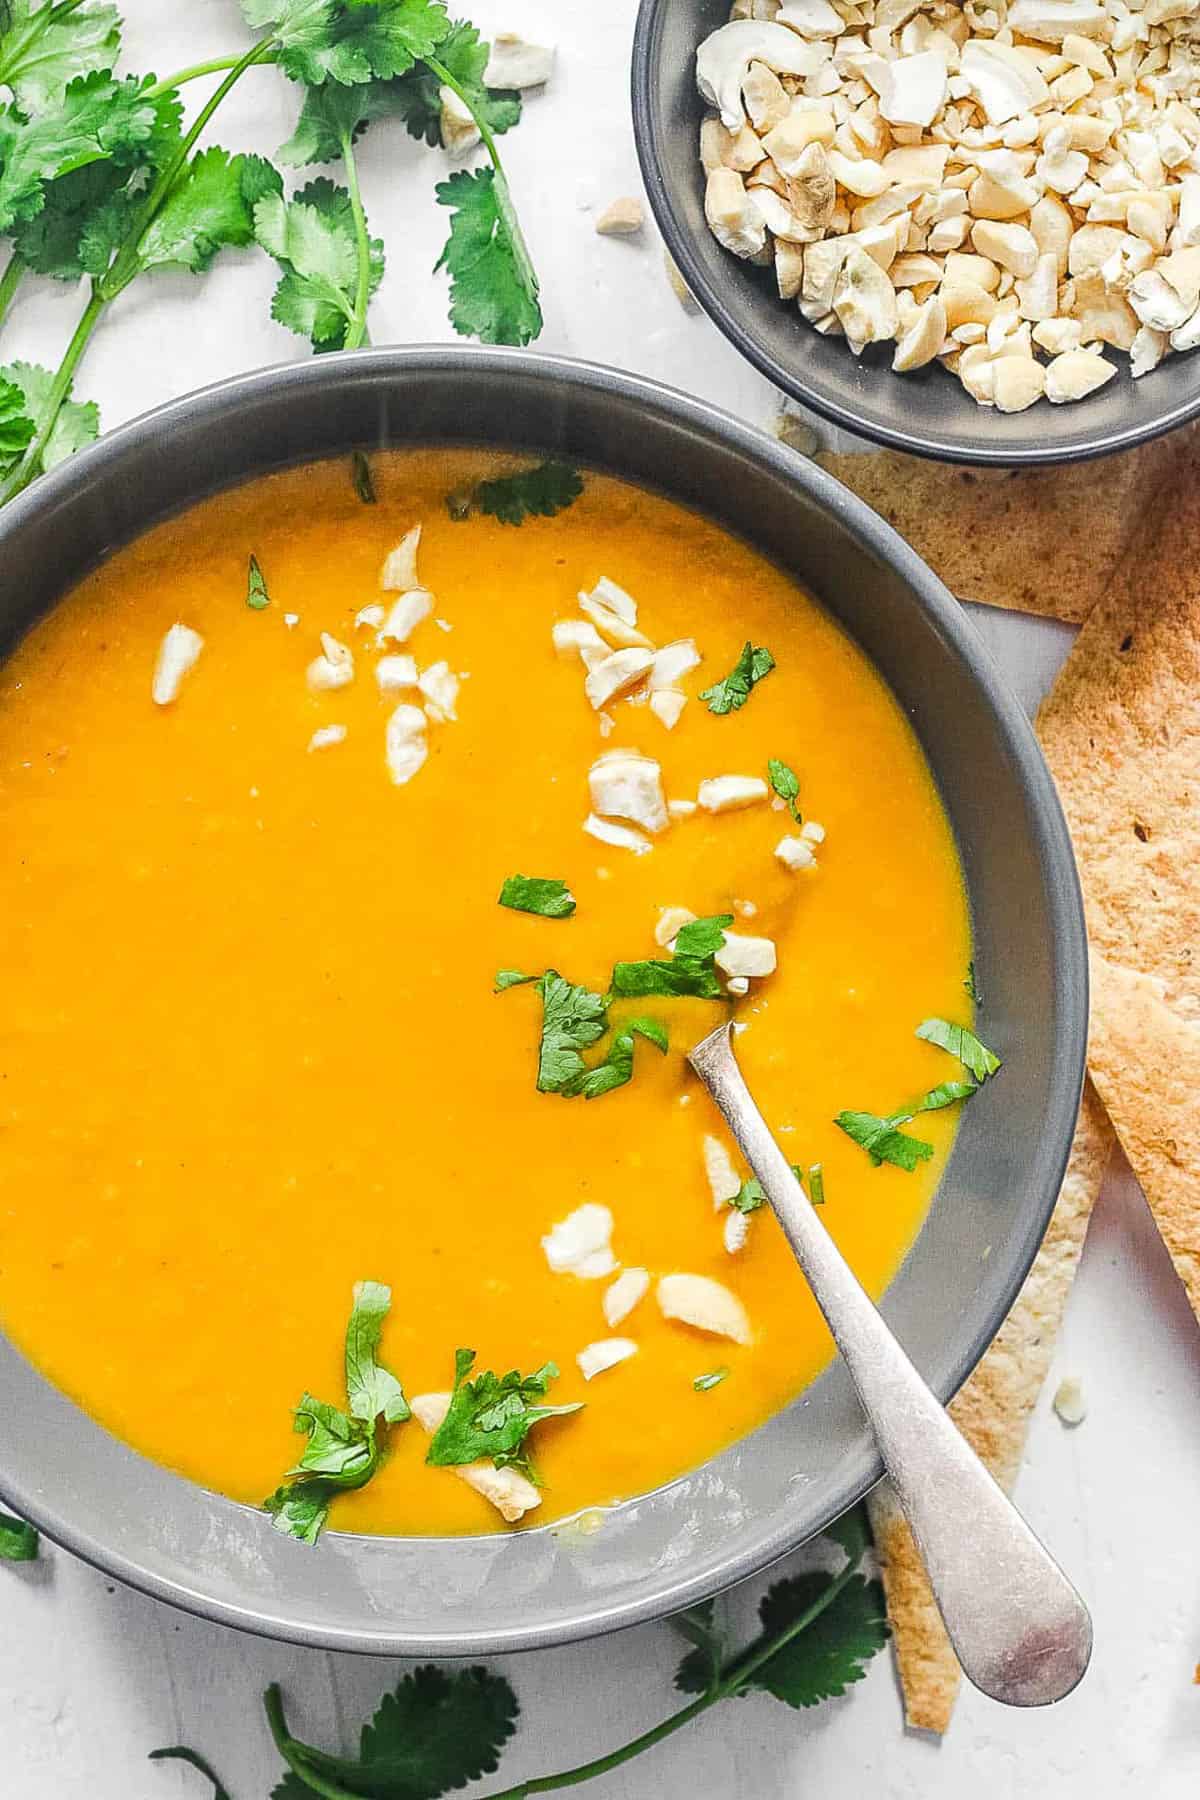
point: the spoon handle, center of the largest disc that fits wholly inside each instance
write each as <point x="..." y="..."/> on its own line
<point x="1018" y="1627"/>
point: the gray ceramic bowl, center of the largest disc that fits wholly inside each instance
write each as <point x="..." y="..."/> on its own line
<point x="927" y="412"/>
<point x="768" y="1493"/>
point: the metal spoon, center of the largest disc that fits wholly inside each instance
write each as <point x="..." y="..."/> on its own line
<point x="1019" y="1629"/>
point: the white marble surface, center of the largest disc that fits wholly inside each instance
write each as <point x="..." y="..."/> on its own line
<point x="93" y="1676"/>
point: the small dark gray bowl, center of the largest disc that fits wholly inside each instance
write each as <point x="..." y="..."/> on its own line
<point x="927" y="412"/>
<point x="768" y="1493"/>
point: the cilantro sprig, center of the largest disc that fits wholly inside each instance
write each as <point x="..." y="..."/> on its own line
<point x="882" y="1138"/>
<point x="786" y="783"/>
<point x="343" y="1449"/>
<point x="573" y="1019"/>
<point x="437" y="1730"/>
<point x="690" y="970"/>
<point x="731" y="693"/>
<point x="491" y="1416"/>
<point x="537" y="493"/>
<point x="18" y="1541"/>
<point x="257" y="597"/>
<point x="549" y="898"/>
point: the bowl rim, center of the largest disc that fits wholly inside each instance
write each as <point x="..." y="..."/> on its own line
<point x="679" y="242"/>
<point x="671" y="1591"/>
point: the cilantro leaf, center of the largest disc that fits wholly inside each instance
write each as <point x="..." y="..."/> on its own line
<point x="573" y="1018"/>
<point x="373" y="1392"/>
<point x="882" y="1139"/>
<point x="972" y="986"/>
<point x="438" y="1730"/>
<point x="507" y="978"/>
<point x="312" y="239"/>
<point x="363" y="479"/>
<point x="714" y="1378"/>
<point x="342" y="1451"/>
<point x="786" y="783"/>
<point x="962" y="1043"/>
<point x="690" y="971"/>
<point x="349" y="43"/>
<point x="732" y="693"/>
<point x="617" y="1067"/>
<point x="331" y="114"/>
<point x="491" y="1416"/>
<point x="52" y="242"/>
<point x="540" y="492"/>
<point x="180" y="1753"/>
<point x="18" y="1541"/>
<point x="77" y="423"/>
<point x="44" y="48"/>
<point x="750" y="1196"/>
<point x="493" y="285"/>
<point x="417" y="96"/>
<point x="832" y="1651"/>
<point x="210" y="206"/>
<point x="17" y="428"/>
<point x="539" y="894"/>
<point x="852" y="1532"/>
<point x="96" y="118"/>
<point x="257" y="597"/>
<point x="701" y="1667"/>
<point x="945" y="1094"/>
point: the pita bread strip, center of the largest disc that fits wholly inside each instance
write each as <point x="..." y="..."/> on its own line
<point x="992" y="1411"/>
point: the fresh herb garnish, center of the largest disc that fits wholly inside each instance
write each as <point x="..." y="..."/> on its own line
<point x="491" y="1416"/>
<point x="18" y="1541"/>
<point x="511" y="499"/>
<point x="493" y="284"/>
<point x="257" y="597"/>
<point x="732" y="693"/>
<point x="313" y="237"/>
<point x="883" y="1140"/>
<point x="343" y="1449"/>
<point x="816" y="1184"/>
<point x="972" y="986"/>
<point x="713" y="1379"/>
<point x="180" y="1753"/>
<point x="573" y="1019"/>
<point x="690" y="971"/>
<point x="962" y="1043"/>
<point x="617" y="1067"/>
<point x="750" y="1196"/>
<point x="549" y="898"/>
<point x="786" y="783"/>
<point x="417" y="96"/>
<point x="507" y="978"/>
<point x="363" y="479"/>
<point x="438" y="1731"/>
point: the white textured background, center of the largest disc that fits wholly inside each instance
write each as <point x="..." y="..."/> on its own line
<point x="93" y="1676"/>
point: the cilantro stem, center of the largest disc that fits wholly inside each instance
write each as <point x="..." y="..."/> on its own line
<point x="194" y="72"/>
<point x="358" y="325"/>
<point x="731" y="1681"/>
<point x="10" y="281"/>
<point x="504" y="201"/>
<point x="60" y="387"/>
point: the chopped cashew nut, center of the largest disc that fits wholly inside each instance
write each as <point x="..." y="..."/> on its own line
<point x="177" y="654"/>
<point x="405" y="615"/>
<point x="439" y="684"/>
<point x="723" y="1179"/>
<point x="631" y="1286"/>
<point x="579" y="637"/>
<point x="626" y="785"/>
<point x="736" y="1230"/>
<point x="619" y="836"/>
<point x="723" y="62"/>
<point x="704" y="1304"/>
<point x="370" y="616"/>
<point x="460" y="133"/>
<point x="673" y="662"/>
<point x="795" y="853"/>
<point x="510" y="1492"/>
<point x="327" y="736"/>
<point x="399" y="572"/>
<point x="621" y="218"/>
<point x="1069" y="1402"/>
<point x="604" y="1354"/>
<point x="581" y="1244"/>
<point x="725" y="793"/>
<point x="617" y="675"/>
<point x="406" y="745"/>
<point x="667" y="705"/>
<point x="395" y="672"/>
<point x="671" y="921"/>
<point x="734" y="215"/>
<point x="751" y="956"/>
<point x="1077" y="373"/>
<point x="334" y="668"/>
<point x="515" y="64"/>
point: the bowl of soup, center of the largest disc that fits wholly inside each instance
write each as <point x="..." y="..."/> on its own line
<point x="404" y="760"/>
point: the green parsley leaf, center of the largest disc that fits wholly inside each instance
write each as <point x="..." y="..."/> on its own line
<point x="43" y="48"/>
<point x="210" y="206"/>
<point x="972" y="986"/>
<point x="882" y="1139"/>
<point x="617" y="1067"/>
<point x="342" y="1450"/>
<point x="17" y="428"/>
<point x="962" y="1043"/>
<point x="493" y="285"/>
<point x="732" y="693"/>
<point x="363" y="479"/>
<point x="77" y="424"/>
<point x="372" y="1390"/>
<point x="713" y="1379"/>
<point x="312" y="239"/>
<point x="786" y="783"/>
<point x="438" y="1730"/>
<point x="257" y="597"/>
<point x="832" y="1652"/>
<point x="18" y="1541"/>
<point x="492" y="1416"/>
<point x="417" y="96"/>
<point x="539" y="894"/>
<point x="690" y="971"/>
<point x="511" y="499"/>
<point x="180" y="1753"/>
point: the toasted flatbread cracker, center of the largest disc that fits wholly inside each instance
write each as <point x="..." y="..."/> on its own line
<point x="1037" y="540"/>
<point x="993" y="1412"/>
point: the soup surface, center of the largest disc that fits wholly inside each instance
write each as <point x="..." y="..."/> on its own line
<point x="250" y="1047"/>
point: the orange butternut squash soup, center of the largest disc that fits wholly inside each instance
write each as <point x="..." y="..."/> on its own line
<point x="291" y="791"/>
